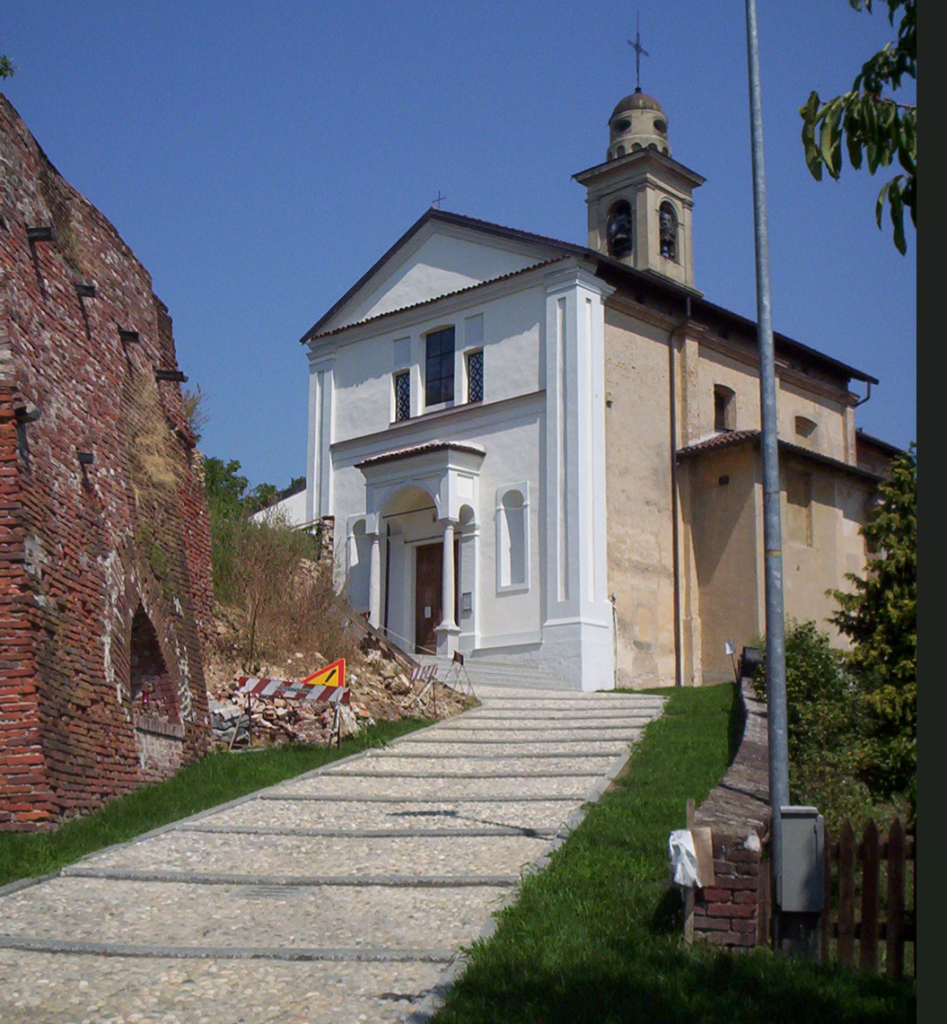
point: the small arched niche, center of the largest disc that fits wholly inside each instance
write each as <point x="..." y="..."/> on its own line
<point x="513" y="538"/>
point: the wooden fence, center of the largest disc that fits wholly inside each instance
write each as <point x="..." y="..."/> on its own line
<point x="856" y="910"/>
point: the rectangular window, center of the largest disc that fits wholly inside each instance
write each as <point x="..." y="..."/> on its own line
<point x="799" y="507"/>
<point x="402" y="396"/>
<point x="439" y="367"/>
<point x="475" y="376"/>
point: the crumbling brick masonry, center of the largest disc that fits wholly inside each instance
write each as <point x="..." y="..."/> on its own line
<point x="104" y="542"/>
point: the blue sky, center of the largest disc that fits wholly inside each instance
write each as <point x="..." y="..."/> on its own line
<point x="260" y="156"/>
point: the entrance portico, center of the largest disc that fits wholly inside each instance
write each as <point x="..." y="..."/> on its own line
<point x="420" y="523"/>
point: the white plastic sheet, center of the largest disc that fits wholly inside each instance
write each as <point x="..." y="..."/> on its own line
<point x="683" y="857"/>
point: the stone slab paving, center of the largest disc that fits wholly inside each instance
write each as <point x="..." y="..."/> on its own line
<point x="45" y="988"/>
<point x="339" y="896"/>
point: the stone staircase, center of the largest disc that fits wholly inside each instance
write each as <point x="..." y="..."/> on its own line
<point x="486" y="671"/>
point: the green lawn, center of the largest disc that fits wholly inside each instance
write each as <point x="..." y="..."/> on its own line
<point x="595" y="939"/>
<point x="215" y="779"/>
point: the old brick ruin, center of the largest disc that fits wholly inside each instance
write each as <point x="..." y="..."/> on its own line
<point x="105" y="591"/>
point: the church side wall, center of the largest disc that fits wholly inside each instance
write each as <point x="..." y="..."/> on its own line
<point x="736" y="368"/>
<point x="815" y="565"/>
<point x="638" y="496"/>
<point x="726" y="537"/>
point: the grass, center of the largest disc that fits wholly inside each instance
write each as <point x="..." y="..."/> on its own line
<point x="596" y="937"/>
<point x="215" y="779"/>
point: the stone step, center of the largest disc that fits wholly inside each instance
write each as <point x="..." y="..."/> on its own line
<point x="339" y="858"/>
<point x="356" y="815"/>
<point x="430" y="788"/>
<point x="411" y="767"/>
<point x="514" y="748"/>
<point x="74" y="909"/>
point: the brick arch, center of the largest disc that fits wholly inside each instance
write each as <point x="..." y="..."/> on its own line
<point x="150" y="684"/>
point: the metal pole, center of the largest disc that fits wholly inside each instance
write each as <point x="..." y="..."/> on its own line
<point x="775" y="626"/>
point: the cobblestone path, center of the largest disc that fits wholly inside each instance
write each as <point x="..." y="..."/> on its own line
<point x="340" y="896"/>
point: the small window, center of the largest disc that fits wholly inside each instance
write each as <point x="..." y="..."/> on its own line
<point x="475" y="376"/>
<point x="619" y="151"/>
<point x="725" y="408"/>
<point x="402" y="396"/>
<point x="618" y="230"/>
<point x="439" y="367"/>
<point x="623" y="125"/>
<point x="660" y="126"/>
<point x="668" y="232"/>
<point x="805" y="427"/>
<point x="799" y="507"/>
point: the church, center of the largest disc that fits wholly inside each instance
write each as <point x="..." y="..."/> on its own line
<point x="546" y="455"/>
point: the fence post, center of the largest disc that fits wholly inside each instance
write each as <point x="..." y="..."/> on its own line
<point x="846" y="894"/>
<point x="894" y="952"/>
<point x="868" y="938"/>
<point x="825" y="923"/>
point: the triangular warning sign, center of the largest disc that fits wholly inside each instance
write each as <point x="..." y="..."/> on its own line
<point x="332" y="675"/>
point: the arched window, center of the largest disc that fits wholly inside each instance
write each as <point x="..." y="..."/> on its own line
<point x="668" y="232"/>
<point x="725" y="408"/>
<point x="618" y="229"/>
<point x="512" y="538"/>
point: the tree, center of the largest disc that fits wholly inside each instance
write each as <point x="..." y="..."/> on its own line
<point x="873" y="125"/>
<point x="7" y="67"/>
<point x="880" y="617"/>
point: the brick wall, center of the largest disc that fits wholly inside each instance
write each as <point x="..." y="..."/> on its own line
<point x="734" y="911"/>
<point x="89" y="551"/>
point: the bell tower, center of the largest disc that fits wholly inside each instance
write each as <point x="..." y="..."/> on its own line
<point x="640" y="199"/>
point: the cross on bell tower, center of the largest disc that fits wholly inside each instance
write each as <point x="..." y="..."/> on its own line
<point x="640" y="51"/>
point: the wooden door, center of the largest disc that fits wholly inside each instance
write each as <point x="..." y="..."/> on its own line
<point x="427" y="596"/>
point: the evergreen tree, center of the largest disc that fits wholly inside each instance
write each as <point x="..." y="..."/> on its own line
<point x="880" y="617"/>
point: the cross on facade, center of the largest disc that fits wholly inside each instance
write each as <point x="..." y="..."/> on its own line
<point x="440" y="199"/>
<point x="639" y="50"/>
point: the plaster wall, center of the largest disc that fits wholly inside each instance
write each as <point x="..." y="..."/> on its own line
<point x="638" y="495"/>
<point x="810" y="570"/>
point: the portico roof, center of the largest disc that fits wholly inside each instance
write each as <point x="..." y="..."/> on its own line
<point x="421" y="449"/>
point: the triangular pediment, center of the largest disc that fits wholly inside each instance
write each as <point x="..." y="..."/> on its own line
<point x="440" y="254"/>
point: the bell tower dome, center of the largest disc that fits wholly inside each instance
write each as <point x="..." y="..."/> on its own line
<point x="637" y="122"/>
<point x="640" y="199"/>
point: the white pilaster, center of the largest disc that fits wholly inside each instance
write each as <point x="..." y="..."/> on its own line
<point x="374" y="582"/>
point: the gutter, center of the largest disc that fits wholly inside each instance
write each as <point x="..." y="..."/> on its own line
<point x="675" y="529"/>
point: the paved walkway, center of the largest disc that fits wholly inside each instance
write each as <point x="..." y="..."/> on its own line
<point x="340" y="896"/>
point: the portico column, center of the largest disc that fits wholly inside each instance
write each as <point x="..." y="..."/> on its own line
<point x="448" y="586"/>
<point x="374" y="582"/>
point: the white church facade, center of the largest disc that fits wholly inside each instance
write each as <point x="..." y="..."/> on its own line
<point x="546" y="454"/>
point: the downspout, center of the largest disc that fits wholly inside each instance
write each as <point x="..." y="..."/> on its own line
<point x="675" y="530"/>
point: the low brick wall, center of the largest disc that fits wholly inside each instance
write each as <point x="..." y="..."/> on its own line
<point x="734" y="911"/>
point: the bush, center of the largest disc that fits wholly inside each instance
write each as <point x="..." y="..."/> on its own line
<point x="827" y="726"/>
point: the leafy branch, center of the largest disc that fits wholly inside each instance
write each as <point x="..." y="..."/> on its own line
<point x="875" y="127"/>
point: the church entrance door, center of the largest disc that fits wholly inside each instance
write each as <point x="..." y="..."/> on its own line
<point x="428" y="606"/>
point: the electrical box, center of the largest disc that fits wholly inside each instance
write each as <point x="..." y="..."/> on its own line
<point x="802" y="885"/>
